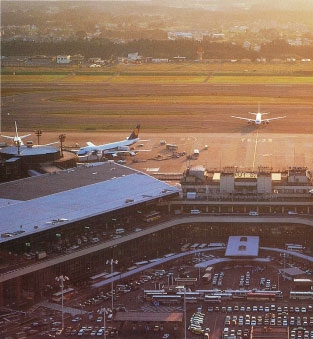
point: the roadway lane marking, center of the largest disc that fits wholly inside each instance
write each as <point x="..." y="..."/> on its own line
<point x="255" y="146"/>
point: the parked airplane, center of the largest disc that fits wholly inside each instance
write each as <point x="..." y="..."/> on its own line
<point x="115" y="148"/>
<point x="258" y="118"/>
<point x="17" y="140"/>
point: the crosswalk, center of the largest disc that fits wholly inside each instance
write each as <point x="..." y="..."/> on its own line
<point x="158" y="309"/>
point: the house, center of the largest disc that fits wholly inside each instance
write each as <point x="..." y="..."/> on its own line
<point x="63" y="59"/>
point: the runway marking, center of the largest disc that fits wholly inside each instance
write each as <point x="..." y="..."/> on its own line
<point x="255" y="146"/>
<point x="225" y="85"/>
<point x="152" y="169"/>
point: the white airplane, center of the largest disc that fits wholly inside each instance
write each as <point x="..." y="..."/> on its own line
<point x="17" y="140"/>
<point x="114" y="148"/>
<point x="258" y="118"/>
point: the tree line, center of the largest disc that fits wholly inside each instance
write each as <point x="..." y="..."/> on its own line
<point x="106" y="49"/>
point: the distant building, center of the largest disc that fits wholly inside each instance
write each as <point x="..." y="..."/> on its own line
<point x="63" y="59"/>
<point x="77" y="59"/>
<point x="40" y="60"/>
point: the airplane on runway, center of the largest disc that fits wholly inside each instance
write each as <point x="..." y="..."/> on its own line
<point x="17" y="140"/>
<point x="115" y="148"/>
<point x="258" y="118"/>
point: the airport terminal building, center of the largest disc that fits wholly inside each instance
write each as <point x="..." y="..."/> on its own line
<point x="71" y="222"/>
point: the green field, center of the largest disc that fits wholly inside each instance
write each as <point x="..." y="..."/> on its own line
<point x="186" y="100"/>
<point x="159" y="79"/>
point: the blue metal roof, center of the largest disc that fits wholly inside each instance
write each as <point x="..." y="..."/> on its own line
<point x="43" y="213"/>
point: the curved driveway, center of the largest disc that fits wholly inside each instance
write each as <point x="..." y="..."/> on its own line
<point x="159" y="227"/>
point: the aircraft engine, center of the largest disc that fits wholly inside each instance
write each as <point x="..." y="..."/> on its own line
<point x="267" y="122"/>
<point x="123" y="148"/>
<point x="249" y="121"/>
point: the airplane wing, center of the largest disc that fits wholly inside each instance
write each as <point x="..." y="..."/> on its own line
<point x="275" y="118"/>
<point x="51" y="143"/>
<point x="90" y="144"/>
<point x="126" y="152"/>
<point x="242" y="118"/>
<point x="25" y="136"/>
<point x="5" y="136"/>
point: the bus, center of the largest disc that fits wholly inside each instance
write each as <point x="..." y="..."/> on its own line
<point x="186" y="281"/>
<point x="208" y="292"/>
<point x="189" y="295"/>
<point x="194" y="246"/>
<point x="202" y="246"/>
<point x="152" y="216"/>
<point x="131" y="268"/>
<point x="139" y="263"/>
<point x="166" y="299"/>
<point x="295" y="248"/>
<point x="224" y="296"/>
<point x="112" y="275"/>
<point x="239" y="294"/>
<point x="147" y="294"/>
<point x="169" y="255"/>
<point x="261" y="296"/>
<point x="216" y="244"/>
<point x="207" y="277"/>
<point x="67" y="294"/>
<point x="191" y="300"/>
<point x="98" y="277"/>
<point x="301" y="295"/>
<point x="213" y="299"/>
<point x="185" y="247"/>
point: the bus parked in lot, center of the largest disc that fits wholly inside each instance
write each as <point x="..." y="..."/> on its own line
<point x="261" y="296"/>
<point x="213" y="299"/>
<point x="98" y="277"/>
<point x="67" y="294"/>
<point x="185" y="247"/>
<point x="301" y="295"/>
<point x="166" y="299"/>
<point x="152" y="216"/>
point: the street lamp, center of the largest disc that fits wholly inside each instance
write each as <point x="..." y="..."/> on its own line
<point x="61" y="279"/>
<point x="104" y="311"/>
<point x="111" y="262"/>
<point x="38" y="133"/>
<point x="185" y="315"/>
<point x="62" y="139"/>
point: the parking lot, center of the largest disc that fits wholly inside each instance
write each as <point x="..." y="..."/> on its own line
<point x="237" y="307"/>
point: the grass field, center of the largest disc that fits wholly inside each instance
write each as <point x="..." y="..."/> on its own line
<point x="187" y="100"/>
<point x="183" y="68"/>
<point x="159" y="79"/>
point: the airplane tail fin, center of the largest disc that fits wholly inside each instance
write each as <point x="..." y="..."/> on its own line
<point x="16" y="134"/>
<point x="135" y="133"/>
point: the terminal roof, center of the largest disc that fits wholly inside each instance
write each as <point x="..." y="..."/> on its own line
<point x="46" y="184"/>
<point x="102" y="189"/>
<point x="28" y="151"/>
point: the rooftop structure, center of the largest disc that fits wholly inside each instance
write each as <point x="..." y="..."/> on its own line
<point x="242" y="246"/>
<point x="295" y="182"/>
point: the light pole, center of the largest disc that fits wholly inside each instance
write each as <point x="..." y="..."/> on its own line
<point x="62" y="139"/>
<point x="38" y="133"/>
<point x="104" y="310"/>
<point x="185" y="316"/>
<point x="111" y="262"/>
<point x="61" y="279"/>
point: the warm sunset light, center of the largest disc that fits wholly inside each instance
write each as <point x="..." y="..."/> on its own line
<point x="156" y="169"/>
